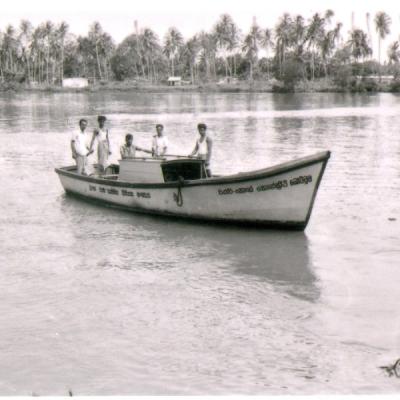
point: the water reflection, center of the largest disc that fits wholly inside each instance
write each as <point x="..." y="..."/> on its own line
<point x="280" y="258"/>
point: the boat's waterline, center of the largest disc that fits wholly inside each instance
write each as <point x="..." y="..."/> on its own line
<point x="280" y="196"/>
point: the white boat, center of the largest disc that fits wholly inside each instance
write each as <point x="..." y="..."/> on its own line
<point x="281" y="196"/>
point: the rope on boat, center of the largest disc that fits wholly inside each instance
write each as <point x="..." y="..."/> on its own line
<point x="178" y="196"/>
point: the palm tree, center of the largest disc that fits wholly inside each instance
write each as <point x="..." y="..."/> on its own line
<point x="61" y="33"/>
<point x="25" y="39"/>
<point x="394" y="52"/>
<point x="267" y="43"/>
<point x="107" y="48"/>
<point x="358" y="44"/>
<point x="298" y="32"/>
<point x="328" y="44"/>
<point x="94" y="36"/>
<point x="192" y="49"/>
<point x="150" y="46"/>
<point x="35" y="50"/>
<point x="314" y="36"/>
<point x="250" y="46"/>
<point x="234" y="44"/>
<point x="140" y="52"/>
<point x="208" y="49"/>
<point x="10" y="47"/>
<point x="127" y="59"/>
<point x="173" y="41"/>
<point x="282" y="39"/>
<point x="48" y="32"/>
<point x="382" y="24"/>
<point x="86" y="56"/>
<point x="226" y="34"/>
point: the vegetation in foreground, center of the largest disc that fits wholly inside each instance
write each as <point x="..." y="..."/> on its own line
<point x="295" y="55"/>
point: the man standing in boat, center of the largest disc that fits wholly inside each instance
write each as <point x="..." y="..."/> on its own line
<point x="203" y="147"/>
<point x="160" y="142"/>
<point x="128" y="149"/>
<point x="79" y="147"/>
<point x="103" y="143"/>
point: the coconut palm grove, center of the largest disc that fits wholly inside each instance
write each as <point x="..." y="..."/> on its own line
<point x="297" y="53"/>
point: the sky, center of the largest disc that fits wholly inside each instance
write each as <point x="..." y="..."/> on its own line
<point x="117" y="16"/>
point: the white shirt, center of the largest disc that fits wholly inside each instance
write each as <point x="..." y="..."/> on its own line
<point x="80" y="142"/>
<point x="102" y="134"/>
<point x="203" y="147"/>
<point x="127" y="152"/>
<point x="159" y="143"/>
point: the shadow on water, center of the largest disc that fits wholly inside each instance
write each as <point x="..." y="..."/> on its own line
<point x="280" y="258"/>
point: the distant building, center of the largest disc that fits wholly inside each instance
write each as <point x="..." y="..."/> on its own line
<point x="228" y="80"/>
<point x="75" y="83"/>
<point x="376" y="78"/>
<point x="174" y="81"/>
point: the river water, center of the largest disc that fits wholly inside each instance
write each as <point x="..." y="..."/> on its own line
<point x="104" y="302"/>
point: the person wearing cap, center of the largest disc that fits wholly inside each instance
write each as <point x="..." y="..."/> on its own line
<point x="103" y="143"/>
<point x="203" y="147"/>
<point x="128" y="149"/>
<point x="160" y="142"/>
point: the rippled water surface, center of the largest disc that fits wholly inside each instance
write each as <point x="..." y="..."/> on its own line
<point x="100" y="301"/>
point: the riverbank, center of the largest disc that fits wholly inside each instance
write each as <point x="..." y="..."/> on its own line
<point x="256" y="86"/>
<point x="146" y="87"/>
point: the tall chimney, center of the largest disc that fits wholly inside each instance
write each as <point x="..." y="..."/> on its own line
<point x="369" y="28"/>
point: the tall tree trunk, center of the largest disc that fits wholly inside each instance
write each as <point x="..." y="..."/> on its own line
<point x="10" y="63"/>
<point x="143" y="68"/>
<point x="154" y="70"/>
<point x="47" y="64"/>
<point x="53" y="72"/>
<point x="208" y="69"/>
<point x="98" y="62"/>
<point x="226" y="63"/>
<point x="312" y="65"/>
<point x="62" y="62"/>
<point x="29" y="69"/>
<point x="104" y="69"/>
<point x="191" y="73"/>
<point x="39" y="69"/>
<point x="379" y="57"/>
<point x="136" y="70"/>
<point x="215" y="68"/>
<point x="149" y="77"/>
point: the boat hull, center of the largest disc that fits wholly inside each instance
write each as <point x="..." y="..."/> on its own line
<point x="280" y="197"/>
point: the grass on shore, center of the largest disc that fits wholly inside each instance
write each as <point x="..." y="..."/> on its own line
<point x="256" y="86"/>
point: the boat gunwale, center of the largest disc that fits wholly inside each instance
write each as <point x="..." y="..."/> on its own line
<point x="221" y="180"/>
